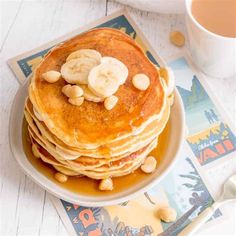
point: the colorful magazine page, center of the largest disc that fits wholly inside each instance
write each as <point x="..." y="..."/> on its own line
<point x="210" y="140"/>
<point x="209" y="136"/>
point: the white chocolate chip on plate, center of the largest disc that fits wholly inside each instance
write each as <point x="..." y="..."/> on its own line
<point x="177" y="38"/>
<point x="141" y="81"/>
<point x="61" y="177"/>
<point x="149" y="165"/>
<point x="51" y="76"/>
<point x="76" y="101"/>
<point x="106" y="184"/>
<point x="110" y="102"/>
<point x="167" y="214"/>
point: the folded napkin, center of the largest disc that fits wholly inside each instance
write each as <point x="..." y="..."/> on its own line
<point x="160" y="6"/>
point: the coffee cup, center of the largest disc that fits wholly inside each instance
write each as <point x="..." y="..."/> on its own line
<point x="214" y="54"/>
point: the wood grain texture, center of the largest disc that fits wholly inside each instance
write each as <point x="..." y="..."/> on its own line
<point x="25" y="208"/>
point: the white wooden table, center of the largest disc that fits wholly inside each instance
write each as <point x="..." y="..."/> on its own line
<point x="25" y="208"/>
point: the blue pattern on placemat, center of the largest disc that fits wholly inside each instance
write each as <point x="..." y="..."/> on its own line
<point x="119" y="22"/>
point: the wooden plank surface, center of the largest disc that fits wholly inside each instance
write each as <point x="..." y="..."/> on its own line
<point x="25" y="208"/>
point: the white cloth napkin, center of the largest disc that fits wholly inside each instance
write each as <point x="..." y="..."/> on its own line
<point x="160" y="6"/>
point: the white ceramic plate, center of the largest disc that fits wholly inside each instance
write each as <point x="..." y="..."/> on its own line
<point x="15" y="135"/>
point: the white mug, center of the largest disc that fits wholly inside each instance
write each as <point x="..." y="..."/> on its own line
<point x="214" y="54"/>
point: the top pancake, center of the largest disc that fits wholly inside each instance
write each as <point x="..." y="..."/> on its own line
<point x="91" y="123"/>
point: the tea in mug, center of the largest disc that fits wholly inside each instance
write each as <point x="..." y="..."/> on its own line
<point x="217" y="16"/>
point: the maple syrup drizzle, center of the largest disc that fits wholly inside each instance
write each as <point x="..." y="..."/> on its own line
<point x="87" y="186"/>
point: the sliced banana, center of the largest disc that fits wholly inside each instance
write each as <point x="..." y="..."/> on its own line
<point x="90" y="96"/>
<point x="168" y="75"/>
<point x="103" y="80"/>
<point x="76" y="71"/>
<point x="123" y="68"/>
<point x="85" y="53"/>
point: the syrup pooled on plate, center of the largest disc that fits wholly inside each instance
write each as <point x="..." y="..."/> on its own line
<point x="87" y="186"/>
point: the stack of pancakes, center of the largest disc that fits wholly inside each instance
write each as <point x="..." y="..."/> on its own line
<point x="89" y="140"/>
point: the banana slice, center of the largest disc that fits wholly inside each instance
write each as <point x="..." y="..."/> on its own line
<point x="90" y="96"/>
<point x="76" y="71"/>
<point x="103" y="80"/>
<point x="85" y="53"/>
<point x="123" y="68"/>
<point x="168" y="75"/>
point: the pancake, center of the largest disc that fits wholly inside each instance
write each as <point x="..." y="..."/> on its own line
<point x="116" y="148"/>
<point x="90" y="139"/>
<point x="113" y="169"/>
<point x="82" y="159"/>
<point x="90" y="124"/>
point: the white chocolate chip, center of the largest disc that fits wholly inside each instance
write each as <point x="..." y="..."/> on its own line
<point x="106" y="185"/>
<point x="167" y="214"/>
<point x="35" y="151"/>
<point x="149" y="165"/>
<point x="61" y="177"/>
<point x="110" y="102"/>
<point x="65" y="90"/>
<point x="141" y="81"/>
<point x="72" y="91"/>
<point x="75" y="91"/>
<point x="51" y="76"/>
<point x="76" y="101"/>
<point x="177" y="38"/>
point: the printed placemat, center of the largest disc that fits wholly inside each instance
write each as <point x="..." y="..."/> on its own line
<point x="209" y="143"/>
